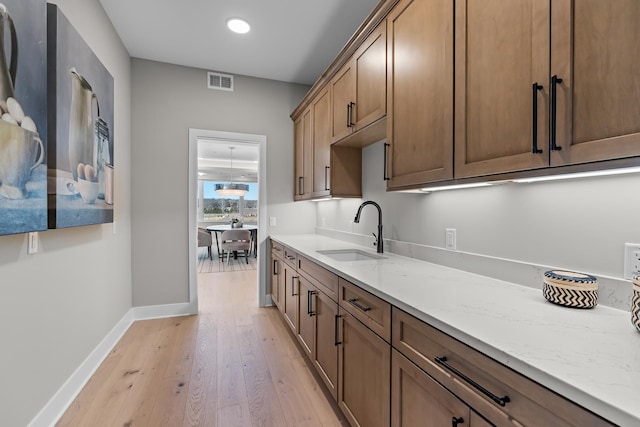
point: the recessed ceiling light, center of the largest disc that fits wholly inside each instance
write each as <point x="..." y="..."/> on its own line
<point x="238" y="25"/>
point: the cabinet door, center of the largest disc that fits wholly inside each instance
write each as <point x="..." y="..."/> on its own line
<point x="321" y="143"/>
<point x="326" y="350"/>
<point x="502" y="50"/>
<point x="420" y="92"/>
<point x="291" y="291"/>
<point x="476" y="420"/>
<point x="595" y="53"/>
<point x="303" y="156"/>
<point x="342" y="100"/>
<point x="363" y="374"/>
<point x="418" y="400"/>
<point x="306" y="317"/>
<point x="370" y="62"/>
<point x="276" y="275"/>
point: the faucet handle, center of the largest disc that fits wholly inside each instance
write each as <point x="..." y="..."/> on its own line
<point x="375" y="242"/>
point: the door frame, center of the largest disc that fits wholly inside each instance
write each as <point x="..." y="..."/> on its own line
<point x="235" y="137"/>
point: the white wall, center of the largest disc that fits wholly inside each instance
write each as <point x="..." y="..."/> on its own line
<point x="580" y="225"/>
<point x="57" y="305"/>
<point x="167" y="100"/>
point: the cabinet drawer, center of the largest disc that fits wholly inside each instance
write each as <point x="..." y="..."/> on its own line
<point x="290" y="257"/>
<point x="368" y="308"/>
<point x="324" y="280"/>
<point x="277" y="249"/>
<point x="526" y="402"/>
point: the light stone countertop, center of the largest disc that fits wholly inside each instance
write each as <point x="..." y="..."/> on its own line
<point x="590" y="356"/>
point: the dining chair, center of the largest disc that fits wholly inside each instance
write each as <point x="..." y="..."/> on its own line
<point x="205" y="240"/>
<point x="234" y="241"/>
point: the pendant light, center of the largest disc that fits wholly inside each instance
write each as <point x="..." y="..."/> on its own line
<point x="232" y="189"/>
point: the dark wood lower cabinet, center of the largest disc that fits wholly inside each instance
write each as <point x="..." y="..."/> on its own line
<point x="306" y="321"/>
<point x="317" y="332"/>
<point x="326" y="350"/>
<point x="276" y="279"/>
<point x="417" y="400"/>
<point x="363" y="374"/>
<point x="385" y="367"/>
<point x="290" y="296"/>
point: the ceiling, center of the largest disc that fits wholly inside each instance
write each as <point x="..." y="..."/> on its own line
<point x="214" y="161"/>
<point x="290" y="40"/>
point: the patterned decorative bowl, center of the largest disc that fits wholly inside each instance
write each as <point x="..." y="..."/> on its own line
<point x="635" y="301"/>
<point x="570" y="289"/>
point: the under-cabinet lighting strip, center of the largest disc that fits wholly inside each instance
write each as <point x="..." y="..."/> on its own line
<point x="578" y="175"/>
<point x="325" y="199"/>
<point x="458" y="187"/>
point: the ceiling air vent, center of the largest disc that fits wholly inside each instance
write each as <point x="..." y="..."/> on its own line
<point x="219" y="81"/>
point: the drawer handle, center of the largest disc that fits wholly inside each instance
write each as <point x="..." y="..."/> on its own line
<point x="456" y="420"/>
<point x="355" y="303"/>
<point x="336" y="339"/>
<point x="310" y="311"/>
<point x="555" y="80"/>
<point x="290" y="257"/>
<point x="502" y="401"/>
<point x="326" y="179"/>
<point x="534" y="133"/>
<point x="385" y="174"/>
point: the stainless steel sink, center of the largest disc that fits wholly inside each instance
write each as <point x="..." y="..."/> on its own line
<point x="350" y="255"/>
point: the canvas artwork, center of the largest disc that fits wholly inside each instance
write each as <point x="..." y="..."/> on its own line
<point x="80" y="129"/>
<point x="23" y="111"/>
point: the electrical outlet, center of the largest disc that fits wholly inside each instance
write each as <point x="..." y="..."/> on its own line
<point x="450" y="234"/>
<point x="631" y="259"/>
<point x="272" y="221"/>
<point x="32" y="243"/>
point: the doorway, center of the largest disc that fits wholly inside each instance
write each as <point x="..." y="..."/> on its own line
<point x="210" y="164"/>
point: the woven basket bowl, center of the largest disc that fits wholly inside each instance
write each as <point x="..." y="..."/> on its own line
<point x="570" y="289"/>
<point x="635" y="301"/>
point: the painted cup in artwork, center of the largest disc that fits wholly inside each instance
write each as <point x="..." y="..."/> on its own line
<point x="21" y="151"/>
<point x="88" y="191"/>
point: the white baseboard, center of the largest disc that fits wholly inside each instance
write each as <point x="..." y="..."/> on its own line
<point x="60" y="401"/>
<point x="56" y="407"/>
<point x="166" y="310"/>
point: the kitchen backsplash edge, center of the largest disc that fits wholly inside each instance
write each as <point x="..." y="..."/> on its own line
<point x="612" y="292"/>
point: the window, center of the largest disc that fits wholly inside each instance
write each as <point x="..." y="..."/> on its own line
<point x="222" y="209"/>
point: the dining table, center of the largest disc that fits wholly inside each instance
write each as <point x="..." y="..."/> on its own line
<point x="220" y="228"/>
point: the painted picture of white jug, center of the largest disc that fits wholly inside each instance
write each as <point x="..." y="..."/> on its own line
<point x="81" y="129"/>
<point x="23" y="116"/>
<point x="83" y="100"/>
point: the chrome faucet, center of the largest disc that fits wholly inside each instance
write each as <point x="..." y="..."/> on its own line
<point x="379" y="245"/>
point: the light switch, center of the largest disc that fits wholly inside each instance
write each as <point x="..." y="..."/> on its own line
<point x="272" y="221"/>
<point x="32" y="243"/>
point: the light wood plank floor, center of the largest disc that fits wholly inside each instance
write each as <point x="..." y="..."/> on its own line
<point x="219" y="265"/>
<point x="234" y="364"/>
